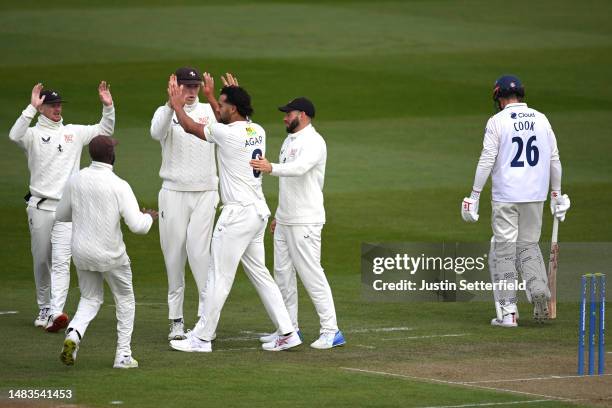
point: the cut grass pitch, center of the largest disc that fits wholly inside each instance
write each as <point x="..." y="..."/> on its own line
<point x="402" y="91"/>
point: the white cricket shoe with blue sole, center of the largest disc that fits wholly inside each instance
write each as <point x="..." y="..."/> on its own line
<point x="329" y="340"/>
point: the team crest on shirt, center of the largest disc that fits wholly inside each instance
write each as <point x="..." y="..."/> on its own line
<point x="68" y="138"/>
<point x="292" y="152"/>
<point x="253" y="138"/>
<point x="251" y="132"/>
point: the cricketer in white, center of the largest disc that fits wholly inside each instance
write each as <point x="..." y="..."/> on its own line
<point x="95" y="200"/>
<point x="299" y="220"/>
<point x="239" y="232"/>
<point x="188" y="198"/>
<point x="520" y="150"/>
<point x="54" y="154"/>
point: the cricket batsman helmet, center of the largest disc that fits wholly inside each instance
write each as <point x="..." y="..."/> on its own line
<point x="506" y="86"/>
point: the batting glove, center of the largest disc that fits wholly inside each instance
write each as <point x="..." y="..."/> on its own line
<point x="559" y="204"/>
<point x="469" y="207"/>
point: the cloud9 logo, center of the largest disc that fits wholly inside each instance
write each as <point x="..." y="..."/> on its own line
<point x="513" y="115"/>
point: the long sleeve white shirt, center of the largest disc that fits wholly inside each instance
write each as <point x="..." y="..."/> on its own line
<point x="301" y="173"/>
<point x="238" y="143"/>
<point x="54" y="151"/>
<point x="95" y="200"/>
<point x="188" y="163"/>
<point x="520" y="150"/>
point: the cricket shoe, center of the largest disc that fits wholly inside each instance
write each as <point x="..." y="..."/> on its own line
<point x="283" y="342"/>
<point x="267" y="338"/>
<point x="41" y="319"/>
<point x="329" y="340"/>
<point x="177" y="331"/>
<point x="191" y="344"/>
<point x="125" y="362"/>
<point x="70" y="349"/>
<point x="57" y="322"/>
<point x="509" y="320"/>
<point x="540" y="308"/>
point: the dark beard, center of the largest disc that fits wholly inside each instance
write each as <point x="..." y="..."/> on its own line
<point x="292" y="125"/>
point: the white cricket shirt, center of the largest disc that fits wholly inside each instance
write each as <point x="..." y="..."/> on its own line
<point x="188" y="163"/>
<point x="522" y="144"/>
<point x="54" y="151"/>
<point x="238" y="143"/>
<point x="301" y="172"/>
<point x="95" y="200"/>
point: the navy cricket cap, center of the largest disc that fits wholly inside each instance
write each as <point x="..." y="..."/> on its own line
<point x="51" y="96"/>
<point x="188" y="76"/>
<point x="299" y="104"/>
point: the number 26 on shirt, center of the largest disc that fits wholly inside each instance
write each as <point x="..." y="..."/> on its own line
<point x="532" y="154"/>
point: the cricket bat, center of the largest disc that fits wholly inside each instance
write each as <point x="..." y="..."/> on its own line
<point x="552" y="270"/>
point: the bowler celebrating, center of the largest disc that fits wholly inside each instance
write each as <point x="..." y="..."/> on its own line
<point x="239" y="232"/>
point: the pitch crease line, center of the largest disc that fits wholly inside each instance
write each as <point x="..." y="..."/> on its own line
<point x="378" y="329"/>
<point x="426" y="336"/>
<point x="490" y="404"/>
<point x="552" y="377"/>
<point x="409" y="377"/>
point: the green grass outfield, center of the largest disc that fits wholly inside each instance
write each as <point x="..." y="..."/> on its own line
<point x="402" y="91"/>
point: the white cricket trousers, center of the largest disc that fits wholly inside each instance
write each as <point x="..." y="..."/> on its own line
<point x="186" y="221"/>
<point x="298" y="248"/>
<point x="239" y="237"/>
<point x="51" y="252"/>
<point x="516" y="232"/>
<point x="91" y="284"/>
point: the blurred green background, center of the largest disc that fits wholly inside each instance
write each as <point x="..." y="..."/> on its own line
<point x="402" y="91"/>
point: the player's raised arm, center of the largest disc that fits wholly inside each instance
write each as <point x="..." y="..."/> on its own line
<point x="20" y="128"/>
<point x="177" y="100"/>
<point x="208" y="89"/>
<point x="106" y="126"/>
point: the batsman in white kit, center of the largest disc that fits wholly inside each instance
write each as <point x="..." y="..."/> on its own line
<point x="299" y="220"/>
<point x="239" y="232"/>
<point x="95" y="200"/>
<point x="188" y="198"/>
<point x="520" y="151"/>
<point x="54" y="154"/>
